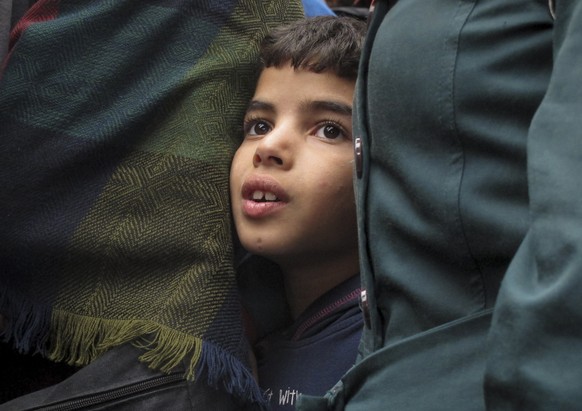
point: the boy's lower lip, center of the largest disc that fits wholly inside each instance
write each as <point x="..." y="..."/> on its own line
<point x="256" y="209"/>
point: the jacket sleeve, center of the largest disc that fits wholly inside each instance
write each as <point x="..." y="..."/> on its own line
<point x="535" y="341"/>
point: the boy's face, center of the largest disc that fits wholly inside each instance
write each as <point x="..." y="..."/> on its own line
<point x="291" y="179"/>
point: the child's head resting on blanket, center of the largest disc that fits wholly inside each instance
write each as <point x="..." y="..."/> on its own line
<point x="291" y="179"/>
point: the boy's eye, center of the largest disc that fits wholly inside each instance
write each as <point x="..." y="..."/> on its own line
<point x="258" y="128"/>
<point x="329" y="131"/>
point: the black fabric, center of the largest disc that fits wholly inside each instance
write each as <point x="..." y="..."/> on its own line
<point x="118" y="382"/>
<point x="24" y="373"/>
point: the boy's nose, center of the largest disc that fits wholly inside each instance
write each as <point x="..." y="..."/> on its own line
<point x="274" y="150"/>
<point x="257" y="159"/>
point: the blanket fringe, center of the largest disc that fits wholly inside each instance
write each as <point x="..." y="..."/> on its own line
<point x="25" y="325"/>
<point x="236" y="378"/>
<point x="78" y="340"/>
<point x="167" y="348"/>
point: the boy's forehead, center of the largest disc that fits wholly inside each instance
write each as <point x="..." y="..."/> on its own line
<point x="288" y="85"/>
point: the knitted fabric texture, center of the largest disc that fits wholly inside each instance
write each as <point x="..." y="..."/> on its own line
<point x="118" y="120"/>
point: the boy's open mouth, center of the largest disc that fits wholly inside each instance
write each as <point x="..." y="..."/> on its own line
<point x="264" y="196"/>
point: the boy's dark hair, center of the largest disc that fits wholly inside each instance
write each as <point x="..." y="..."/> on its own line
<point x="324" y="43"/>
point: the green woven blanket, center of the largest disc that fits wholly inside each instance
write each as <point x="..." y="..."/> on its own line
<point x="118" y="119"/>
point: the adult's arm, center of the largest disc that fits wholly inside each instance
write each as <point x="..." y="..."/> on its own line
<point x="535" y="342"/>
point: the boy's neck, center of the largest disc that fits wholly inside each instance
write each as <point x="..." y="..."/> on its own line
<point x="305" y="283"/>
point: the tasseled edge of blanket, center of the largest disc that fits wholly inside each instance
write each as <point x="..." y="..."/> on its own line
<point x="169" y="348"/>
<point x="24" y="325"/>
<point x="78" y="340"/>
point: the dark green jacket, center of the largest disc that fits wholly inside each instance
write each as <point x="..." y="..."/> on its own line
<point x="469" y="115"/>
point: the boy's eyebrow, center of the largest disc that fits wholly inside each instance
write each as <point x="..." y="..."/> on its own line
<point x="318" y="105"/>
<point x="260" y="105"/>
<point x="333" y="106"/>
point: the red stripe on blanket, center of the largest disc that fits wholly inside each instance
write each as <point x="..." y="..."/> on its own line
<point x="42" y="10"/>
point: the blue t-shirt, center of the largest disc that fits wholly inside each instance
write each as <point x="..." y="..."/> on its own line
<point x="312" y="354"/>
<point x="314" y="8"/>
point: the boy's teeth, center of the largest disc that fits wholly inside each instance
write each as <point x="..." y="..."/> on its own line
<point x="259" y="195"/>
<point x="270" y="197"/>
